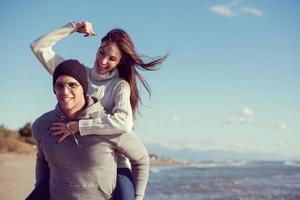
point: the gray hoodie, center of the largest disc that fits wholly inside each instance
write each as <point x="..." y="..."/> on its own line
<point x="84" y="167"/>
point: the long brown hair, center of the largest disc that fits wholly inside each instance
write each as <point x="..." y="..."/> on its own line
<point x="130" y="62"/>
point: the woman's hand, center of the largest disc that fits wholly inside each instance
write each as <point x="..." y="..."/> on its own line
<point x="64" y="129"/>
<point x="86" y="28"/>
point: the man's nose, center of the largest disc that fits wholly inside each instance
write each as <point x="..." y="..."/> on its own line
<point x="65" y="90"/>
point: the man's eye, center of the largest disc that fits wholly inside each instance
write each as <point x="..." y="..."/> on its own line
<point x="73" y="85"/>
<point x="59" y="85"/>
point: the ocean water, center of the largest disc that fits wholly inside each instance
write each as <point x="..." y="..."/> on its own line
<point x="227" y="180"/>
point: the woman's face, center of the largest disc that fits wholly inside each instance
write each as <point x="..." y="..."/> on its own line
<point x="108" y="57"/>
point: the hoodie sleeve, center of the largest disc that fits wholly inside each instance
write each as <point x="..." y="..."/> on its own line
<point x="43" y="46"/>
<point x="135" y="151"/>
<point x="119" y="121"/>
<point x="42" y="171"/>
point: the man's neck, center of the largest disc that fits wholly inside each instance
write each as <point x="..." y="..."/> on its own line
<point x="74" y="113"/>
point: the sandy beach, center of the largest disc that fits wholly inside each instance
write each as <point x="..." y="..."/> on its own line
<point x="16" y="175"/>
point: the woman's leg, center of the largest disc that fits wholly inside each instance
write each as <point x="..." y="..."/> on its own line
<point x="124" y="188"/>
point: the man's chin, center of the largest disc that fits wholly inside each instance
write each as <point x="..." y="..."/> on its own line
<point x="64" y="106"/>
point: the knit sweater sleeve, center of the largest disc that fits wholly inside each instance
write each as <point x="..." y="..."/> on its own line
<point x="119" y="121"/>
<point x="42" y="171"/>
<point x="43" y="46"/>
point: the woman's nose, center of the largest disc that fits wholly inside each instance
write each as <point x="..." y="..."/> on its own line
<point x="103" y="61"/>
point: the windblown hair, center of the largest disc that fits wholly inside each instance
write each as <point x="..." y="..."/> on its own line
<point x="130" y="62"/>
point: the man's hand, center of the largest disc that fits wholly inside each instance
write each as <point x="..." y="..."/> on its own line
<point x="86" y="28"/>
<point x="64" y="129"/>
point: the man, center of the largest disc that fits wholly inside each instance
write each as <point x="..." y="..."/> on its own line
<point x="82" y="167"/>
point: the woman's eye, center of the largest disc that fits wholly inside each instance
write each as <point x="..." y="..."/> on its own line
<point x="112" y="59"/>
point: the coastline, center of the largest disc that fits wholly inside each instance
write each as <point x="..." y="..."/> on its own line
<point x="156" y="160"/>
<point x="165" y="162"/>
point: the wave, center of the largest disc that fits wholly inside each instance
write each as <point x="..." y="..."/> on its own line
<point x="214" y="164"/>
<point x="159" y="168"/>
<point x="292" y="163"/>
<point x="154" y="169"/>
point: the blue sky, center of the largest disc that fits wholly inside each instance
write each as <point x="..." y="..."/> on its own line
<point x="231" y="82"/>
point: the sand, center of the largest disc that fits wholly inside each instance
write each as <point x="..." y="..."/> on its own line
<point x="16" y="176"/>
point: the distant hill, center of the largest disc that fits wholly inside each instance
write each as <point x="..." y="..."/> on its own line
<point x="22" y="142"/>
<point x="13" y="142"/>
<point x="200" y="155"/>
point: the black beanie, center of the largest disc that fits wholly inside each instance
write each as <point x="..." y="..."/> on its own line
<point x="74" y="69"/>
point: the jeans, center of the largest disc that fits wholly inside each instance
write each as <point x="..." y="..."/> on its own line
<point x="124" y="188"/>
<point x="40" y="192"/>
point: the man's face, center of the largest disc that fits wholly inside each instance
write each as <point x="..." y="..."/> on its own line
<point x="69" y="94"/>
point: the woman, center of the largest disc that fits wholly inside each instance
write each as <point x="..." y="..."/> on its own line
<point x="112" y="79"/>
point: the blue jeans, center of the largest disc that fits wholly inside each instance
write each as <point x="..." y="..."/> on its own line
<point x="41" y="191"/>
<point x="124" y="189"/>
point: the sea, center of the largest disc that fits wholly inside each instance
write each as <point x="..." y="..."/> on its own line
<point x="225" y="180"/>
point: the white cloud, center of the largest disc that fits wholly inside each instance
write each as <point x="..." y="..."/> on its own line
<point x="282" y="125"/>
<point x="280" y="142"/>
<point x="222" y="10"/>
<point x="244" y="116"/>
<point x="231" y="120"/>
<point x="247" y="112"/>
<point x="252" y="11"/>
<point x="234" y="8"/>
<point x="245" y="120"/>
<point x="175" y="118"/>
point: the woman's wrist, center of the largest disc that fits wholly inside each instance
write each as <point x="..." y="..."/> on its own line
<point x="73" y="126"/>
<point x="77" y="25"/>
